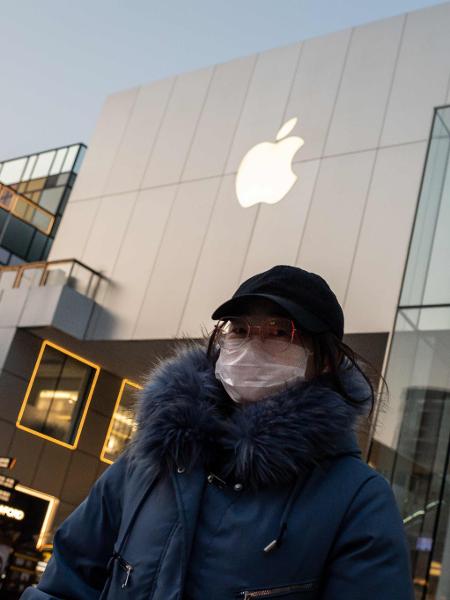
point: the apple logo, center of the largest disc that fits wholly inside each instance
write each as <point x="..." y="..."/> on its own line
<point x="265" y="173"/>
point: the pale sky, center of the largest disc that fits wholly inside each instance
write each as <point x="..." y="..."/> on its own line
<point x="60" y="59"/>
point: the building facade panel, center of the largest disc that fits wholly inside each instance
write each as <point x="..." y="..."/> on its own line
<point x="313" y="95"/>
<point x="27" y="451"/>
<point x="219" y="266"/>
<point x="421" y="77"/>
<point x="104" y="144"/>
<point x="265" y="105"/>
<point x="286" y="223"/>
<point x="381" y="250"/>
<point x="134" y="264"/>
<point x="51" y="469"/>
<point x="108" y="230"/>
<point x="175" y="263"/>
<point x="177" y="128"/>
<point x="365" y="86"/>
<point x="139" y="138"/>
<point x="219" y="119"/>
<point x="6" y="435"/>
<point x="79" y="477"/>
<point x="334" y="218"/>
<point x="75" y="229"/>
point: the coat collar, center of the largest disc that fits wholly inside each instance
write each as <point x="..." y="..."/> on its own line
<point x="185" y="418"/>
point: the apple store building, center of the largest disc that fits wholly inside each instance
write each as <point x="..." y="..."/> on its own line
<point x="332" y="154"/>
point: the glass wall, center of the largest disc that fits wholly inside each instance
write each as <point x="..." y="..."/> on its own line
<point x="122" y="423"/>
<point x="58" y="395"/>
<point x="411" y="441"/>
<point x="44" y="181"/>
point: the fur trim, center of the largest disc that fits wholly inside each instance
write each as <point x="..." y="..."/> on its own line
<point x="185" y="417"/>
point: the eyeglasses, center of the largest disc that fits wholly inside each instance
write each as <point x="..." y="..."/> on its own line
<point x="233" y="332"/>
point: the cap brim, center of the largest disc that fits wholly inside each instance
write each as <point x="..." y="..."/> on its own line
<point x="302" y="316"/>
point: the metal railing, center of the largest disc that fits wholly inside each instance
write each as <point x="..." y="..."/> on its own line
<point x="25" y="209"/>
<point x="69" y="272"/>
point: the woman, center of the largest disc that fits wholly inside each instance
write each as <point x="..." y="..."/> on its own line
<point x="244" y="478"/>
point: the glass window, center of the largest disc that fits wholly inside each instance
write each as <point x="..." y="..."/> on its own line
<point x="16" y="260"/>
<point x="34" y="196"/>
<point x="70" y="158"/>
<point x="58" y="162"/>
<point x="80" y="158"/>
<point x="58" y="395"/>
<point x="43" y="164"/>
<point x="12" y="170"/>
<point x="51" y="181"/>
<point x="36" y="250"/>
<point x="63" y="179"/>
<point x="411" y="442"/>
<point x="7" y="197"/>
<point x="4" y="254"/>
<point x="31" y="213"/>
<point x="50" y="199"/>
<point x="122" y="423"/>
<point x="35" y="184"/>
<point x="29" y="168"/>
<point x="31" y="277"/>
<point x="17" y="236"/>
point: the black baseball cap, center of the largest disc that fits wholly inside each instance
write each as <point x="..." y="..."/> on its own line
<point x="304" y="295"/>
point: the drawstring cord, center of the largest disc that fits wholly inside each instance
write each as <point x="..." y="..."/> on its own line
<point x="276" y="542"/>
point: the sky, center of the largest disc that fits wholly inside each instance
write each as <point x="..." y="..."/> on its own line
<point x="61" y="59"/>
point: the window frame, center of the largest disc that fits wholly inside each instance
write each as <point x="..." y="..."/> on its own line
<point x="95" y="367"/>
<point x="124" y="382"/>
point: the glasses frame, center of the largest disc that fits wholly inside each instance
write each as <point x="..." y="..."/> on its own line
<point x="222" y="321"/>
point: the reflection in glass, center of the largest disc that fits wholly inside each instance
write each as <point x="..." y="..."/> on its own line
<point x="411" y="441"/>
<point x="35" y="184"/>
<point x="7" y="197"/>
<point x="37" y="247"/>
<point x="17" y="236"/>
<point x="58" y="395"/>
<point x="63" y="179"/>
<point x="123" y="422"/>
<point x="33" y="214"/>
<point x="50" y="199"/>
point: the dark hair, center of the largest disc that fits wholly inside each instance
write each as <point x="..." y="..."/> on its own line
<point x="329" y="351"/>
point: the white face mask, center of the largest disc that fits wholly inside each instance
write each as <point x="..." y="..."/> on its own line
<point x="258" y="369"/>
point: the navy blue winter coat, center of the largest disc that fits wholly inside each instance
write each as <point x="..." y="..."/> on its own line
<point x="294" y="511"/>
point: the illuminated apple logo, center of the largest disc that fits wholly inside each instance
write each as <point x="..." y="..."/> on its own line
<point x="265" y="173"/>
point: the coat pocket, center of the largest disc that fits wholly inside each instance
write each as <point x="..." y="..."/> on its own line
<point x="293" y="591"/>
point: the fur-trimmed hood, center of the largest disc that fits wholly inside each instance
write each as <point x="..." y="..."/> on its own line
<point x="185" y="417"/>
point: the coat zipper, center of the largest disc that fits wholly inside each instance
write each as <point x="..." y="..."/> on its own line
<point x="277" y="590"/>
<point x="127" y="567"/>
